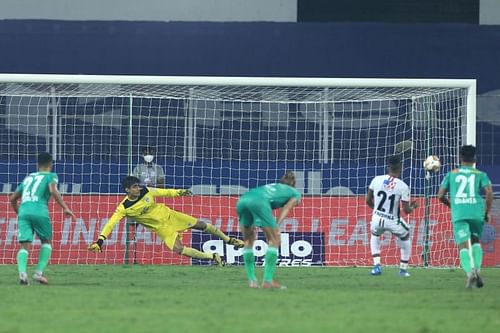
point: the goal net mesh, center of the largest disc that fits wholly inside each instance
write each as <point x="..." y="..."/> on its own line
<point x="220" y="141"/>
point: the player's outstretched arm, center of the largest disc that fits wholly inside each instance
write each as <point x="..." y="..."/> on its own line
<point x="14" y="198"/>
<point x="106" y="230"/>
<point x="57" y="196"/>
<point x="286" y="209"/>
<point x="97" y="245"/>
<point x="169" y="193"/>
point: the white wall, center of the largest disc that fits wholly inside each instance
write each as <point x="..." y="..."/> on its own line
<point x="151" y="10"/>
<point x="489" y="12"/>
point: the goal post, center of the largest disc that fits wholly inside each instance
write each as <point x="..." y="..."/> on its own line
<point x="220" y="136"/>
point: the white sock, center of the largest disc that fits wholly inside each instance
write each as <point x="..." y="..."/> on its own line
<point x="375" y="249"/>
<point x="405" y="253"/>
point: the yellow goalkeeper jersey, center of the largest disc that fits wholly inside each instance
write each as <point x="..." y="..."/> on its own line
<point x="143" y="210"/>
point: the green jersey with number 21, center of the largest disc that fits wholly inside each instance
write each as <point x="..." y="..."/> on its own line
<point x="464" y="185"/>
<point x="35" y="193"/>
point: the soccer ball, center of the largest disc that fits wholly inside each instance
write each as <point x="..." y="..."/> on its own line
<point x="432" y="163"/>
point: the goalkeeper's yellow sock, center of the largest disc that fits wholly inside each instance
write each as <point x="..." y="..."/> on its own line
<point x="211" y="229"/>
<point x="194" y="253"/>
<point x="22" y="260"/>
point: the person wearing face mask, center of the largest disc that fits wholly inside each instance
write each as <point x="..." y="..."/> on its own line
<point x="149" y="173"/>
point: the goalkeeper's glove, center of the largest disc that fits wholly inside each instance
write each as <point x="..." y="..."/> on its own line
<point x="184" y="193"/>
<point x="97" y="245"/>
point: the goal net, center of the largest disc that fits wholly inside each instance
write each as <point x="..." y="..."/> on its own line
<point x="221" y="136"/>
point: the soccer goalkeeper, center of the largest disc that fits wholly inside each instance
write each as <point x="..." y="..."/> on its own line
<point x="167" y="223"/>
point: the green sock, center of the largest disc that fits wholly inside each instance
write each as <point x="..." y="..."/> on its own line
<point x="249" y="260"/>
<point x="22" y="260"/>
<point x="271" y="257"/>
<point x="477" y="253"/>
<point x="43" y="261"/>
<point x="465" y="261"/>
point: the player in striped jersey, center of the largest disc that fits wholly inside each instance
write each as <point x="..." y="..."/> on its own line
<point x="385" y="195"/>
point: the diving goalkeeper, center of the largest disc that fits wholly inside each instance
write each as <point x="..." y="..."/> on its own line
<point x="167" y="223"/>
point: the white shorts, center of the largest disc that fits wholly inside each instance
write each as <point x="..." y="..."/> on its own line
<point x="398" y="228"/>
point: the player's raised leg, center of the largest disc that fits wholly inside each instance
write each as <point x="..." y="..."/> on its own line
<point x="179" y="248"/>
<point x="213" y="230"/>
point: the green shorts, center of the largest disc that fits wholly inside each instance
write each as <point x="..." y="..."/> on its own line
<point x="28" y="225"/>
<point x="253" y="211"/>
<point x="464" y="229"/>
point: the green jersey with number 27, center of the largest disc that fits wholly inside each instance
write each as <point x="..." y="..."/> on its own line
<point x="35" y="193"/>
<point x="464" y="185"/>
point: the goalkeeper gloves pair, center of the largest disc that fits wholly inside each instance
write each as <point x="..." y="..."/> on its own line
<point x="97" y="245"/>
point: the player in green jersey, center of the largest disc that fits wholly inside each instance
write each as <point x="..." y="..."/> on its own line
<point x="33" y="216"/>
<point x="468" y="211"/>
<point x="255" y="210"/>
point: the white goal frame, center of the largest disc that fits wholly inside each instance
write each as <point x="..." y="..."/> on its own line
<point x="468" y="127"/>
<point x="469" y="84"/>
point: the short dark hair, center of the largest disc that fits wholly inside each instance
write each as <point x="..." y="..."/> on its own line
<point x="394" y="162"/>
<point x="468" y="153"/>
<point x="129" y="181"/>
<point x="44" y="159"/>
<point x="147" y="149"/>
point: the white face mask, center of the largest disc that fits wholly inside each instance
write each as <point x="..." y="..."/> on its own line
<point x="148" y="158"/>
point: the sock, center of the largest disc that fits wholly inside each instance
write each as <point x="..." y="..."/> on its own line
<point x="22" y="260"/>
<point x="194" y="253"/>
<point x="249" y="259"/>
<point x="405" y="253"/>
<point x="271" y="257"/>
<point x="375" y="249"/>
<point x="465" y="261"/>
<point x="43" y="261"/>
<point x="477" y="254"/>
<point x="211" y="229"/>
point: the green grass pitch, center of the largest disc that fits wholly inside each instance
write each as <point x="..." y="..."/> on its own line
<point x="137" y="298"/>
